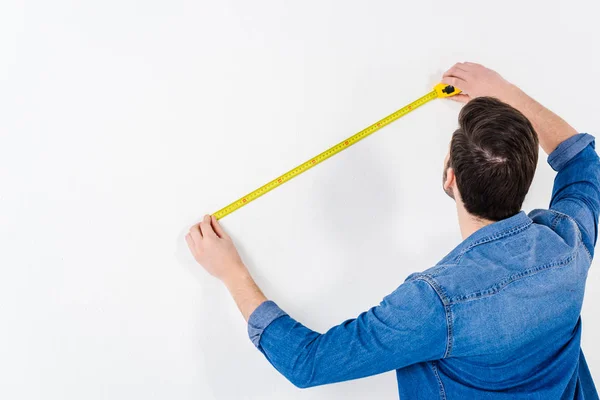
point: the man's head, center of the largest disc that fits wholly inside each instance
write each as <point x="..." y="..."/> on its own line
<point x="492" y="159"/>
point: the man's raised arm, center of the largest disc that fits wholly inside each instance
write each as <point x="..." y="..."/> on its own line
<point x="576" y="191"/>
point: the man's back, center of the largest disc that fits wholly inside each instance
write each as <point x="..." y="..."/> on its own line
<point x="512" y="295"/>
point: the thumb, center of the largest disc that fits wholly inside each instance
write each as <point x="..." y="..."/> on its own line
<point x="461" y="98"/>
<point x="217" y="227"/>
<point x="206" y="228"/>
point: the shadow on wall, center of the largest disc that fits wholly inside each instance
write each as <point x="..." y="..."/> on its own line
<point x="354" y="199"/>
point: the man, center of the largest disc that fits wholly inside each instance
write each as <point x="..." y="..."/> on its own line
<point x="498" y="317"/>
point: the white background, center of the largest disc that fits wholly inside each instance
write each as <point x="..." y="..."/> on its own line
<point x="123" y="122"/>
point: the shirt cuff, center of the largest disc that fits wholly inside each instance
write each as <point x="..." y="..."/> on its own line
<point x="569" y="149"/>
<point x="264" y="314"/>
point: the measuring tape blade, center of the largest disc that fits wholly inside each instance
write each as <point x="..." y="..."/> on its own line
<point x="440" y="90"/>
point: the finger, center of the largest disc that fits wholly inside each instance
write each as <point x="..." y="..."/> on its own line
<point x="459" y="66"/>
<point x="189" y="240"/>
<point x="217" y="227"/>
<point x="456" y="71"/>
<point x="454" y="81"/>
<point x="195" y="234"/>
<point x="191" y="244"/>
<point x="461" y="98"/>
<point x="467" y="66"/>
<point x="206" y="228"/>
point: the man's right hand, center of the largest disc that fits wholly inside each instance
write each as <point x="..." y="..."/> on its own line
<point x="475" y="80"/>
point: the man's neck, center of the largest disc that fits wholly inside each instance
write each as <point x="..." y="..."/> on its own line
<point x="468" y="223"/>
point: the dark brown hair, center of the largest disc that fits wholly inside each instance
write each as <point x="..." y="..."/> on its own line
<point x="494" y="154"/>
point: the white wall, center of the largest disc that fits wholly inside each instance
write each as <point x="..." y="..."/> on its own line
<point x="123" y="122"/>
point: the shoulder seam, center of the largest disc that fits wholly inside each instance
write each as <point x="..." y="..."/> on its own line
<point x="558" y="215"/>
<point x="447" y="312"/>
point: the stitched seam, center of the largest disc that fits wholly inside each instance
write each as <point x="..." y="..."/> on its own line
<point x="439" y="380"/>
<point x="566" y="216"/>
<point x="586" y="250"/>
<point x="555" y="221"/>
<point x="513" y="278"/>
<point x="435" y="286"/>
<point x="441" y="268"/>
<point x="496" y="236"/>
<point x="450" y="330"/>
<point x="447" y="312"/>
<point x="579" y="234"/>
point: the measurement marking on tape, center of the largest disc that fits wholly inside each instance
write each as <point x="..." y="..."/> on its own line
<point x="440" y="90"/>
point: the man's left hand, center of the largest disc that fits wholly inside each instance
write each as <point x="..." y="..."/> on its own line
<point x="214" y="250"/>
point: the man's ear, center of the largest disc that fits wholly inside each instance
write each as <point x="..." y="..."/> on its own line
<point x="450" y="179"/>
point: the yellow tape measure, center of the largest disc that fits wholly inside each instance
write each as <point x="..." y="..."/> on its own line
<point x="440" y="90"/>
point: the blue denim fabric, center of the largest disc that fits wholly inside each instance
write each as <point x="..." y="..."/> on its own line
<point x="497" y="318"/>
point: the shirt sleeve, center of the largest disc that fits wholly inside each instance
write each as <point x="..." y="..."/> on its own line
<point x="407" y="327"/>
<point x="576" y="191"/>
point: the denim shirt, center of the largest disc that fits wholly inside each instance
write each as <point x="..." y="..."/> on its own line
<point x="497" y="318"/>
